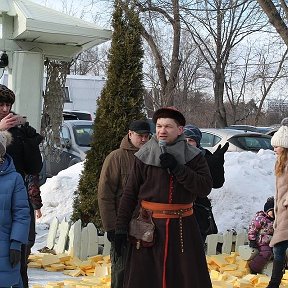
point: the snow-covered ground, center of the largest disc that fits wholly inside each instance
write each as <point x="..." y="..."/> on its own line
<point x="249" y="182"/>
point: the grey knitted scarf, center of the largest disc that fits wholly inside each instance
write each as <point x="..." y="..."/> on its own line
<point x="183" y="152"/>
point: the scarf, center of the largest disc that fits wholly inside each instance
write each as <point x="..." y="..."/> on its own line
<point x="183" y="152"/>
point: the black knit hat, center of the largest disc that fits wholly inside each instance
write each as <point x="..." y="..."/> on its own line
<point x="169" y="112"/>
<point x="269" y="205"/>
<point x="140" y="126"/>
<point x="6" y="95"/>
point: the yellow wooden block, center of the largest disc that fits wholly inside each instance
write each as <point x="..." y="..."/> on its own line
<point x="229" y="267"/>
<point x="262" y="280"/>
<point x="74" y="273"/>
<point x="50" y="259"/>
<point x="214" y="275"/>
<point x="100" y="271"/>
<point x="213" y="266"/>
<point x="219" y="260"/>
<point x="252" y="278"/>
<point x="107" y="259"/>
<point x="245" y="284"/>
<point x="236" y="273"/>
<point x="96" y="258"/>
<point x="85" y="265"/>
<point x="92" y="279"/>
<point x="70" y="267"/>
<point x="58" y="267"/>
<point x="242" y="263"/>
<point x="221" y="284"/>
<point x="231" y="258"/>
<point x="75" y="261"/>
<point x="84" y="285"/>
<point x="71" y="282"/>
<point x="50" y="269"/>
<point x="54" y="284"/>
<point x="64" y="257"/>
<point x="285" y="276"/>
<point x="230" y="278"/>
<point x="34" y="265"/>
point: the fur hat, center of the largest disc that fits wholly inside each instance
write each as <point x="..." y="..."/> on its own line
<point x="169" y="112"/>
<point x="140" y="126"/>
<point x="269" y="205"/>
<point x="284" y="122"/>
<point x="280" y="138"/>
<point x="193" y="132"/>
<point x="6" y="95"/>
<point x="5" y="140"/>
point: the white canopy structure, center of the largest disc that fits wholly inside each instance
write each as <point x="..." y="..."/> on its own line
<point x="32" y="32"/>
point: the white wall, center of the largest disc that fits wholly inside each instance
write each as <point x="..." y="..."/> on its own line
<point x="83" y="91"/>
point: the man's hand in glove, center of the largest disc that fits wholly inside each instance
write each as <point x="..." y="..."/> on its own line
<point x="221" y="151"/>
<point x="120" y="240"/>
<point x="253" y="244"/>
<point x="15" y="257"/>
<point x="168" y="161"/>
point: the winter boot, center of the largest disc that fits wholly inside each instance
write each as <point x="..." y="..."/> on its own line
<point x="277" y="273"/>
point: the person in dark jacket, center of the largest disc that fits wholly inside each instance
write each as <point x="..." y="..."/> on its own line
<point x="203" y="209"/>
<point x="27" y="159"/>
<point x="113" y="178"/>
<point x="260" y="233"/>
<point x="166" y="177"/>
<point x="14" y="217"/>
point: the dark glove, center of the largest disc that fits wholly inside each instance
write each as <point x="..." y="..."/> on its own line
<point x="253" y="244"/>
<point x="220" y="151"/>
<point x="120" y="240"/>
<point x="15" y="257"/>
<point x="111" y="235"/>
<point x="168" y="161"/>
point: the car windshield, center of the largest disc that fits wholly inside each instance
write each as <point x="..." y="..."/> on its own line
<point x="83" y="135"/>
<point x="251" y="143"/>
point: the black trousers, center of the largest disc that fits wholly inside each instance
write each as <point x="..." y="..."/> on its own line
<point x="26" y="249"/>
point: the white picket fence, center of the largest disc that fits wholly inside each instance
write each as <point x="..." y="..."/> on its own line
<point x="229" y="242"/>
<point x="77" y="241"/>
<point x="83" y="242"/>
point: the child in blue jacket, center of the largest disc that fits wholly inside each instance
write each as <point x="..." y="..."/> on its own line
<point x="14" y="217"/>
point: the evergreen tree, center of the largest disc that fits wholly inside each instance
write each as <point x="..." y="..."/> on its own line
<point x="120" y="103"/>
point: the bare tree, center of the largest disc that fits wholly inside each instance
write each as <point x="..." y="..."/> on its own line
<point x="268" y="73"/>
<point x="278" y="18"/>
<point x="217" y="27"/>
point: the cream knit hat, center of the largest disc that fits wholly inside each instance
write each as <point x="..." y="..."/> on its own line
<point x="5" y="140"/>
<point x="280" y="138"/>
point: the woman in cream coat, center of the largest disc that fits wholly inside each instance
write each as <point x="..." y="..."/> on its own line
<point x="279" y="240"/>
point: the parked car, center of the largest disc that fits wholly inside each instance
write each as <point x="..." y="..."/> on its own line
<point x="76" y="137"/>
<point x="249" y="128"/>
<point x="79" y="114"/>
<point x="239" y="140"/>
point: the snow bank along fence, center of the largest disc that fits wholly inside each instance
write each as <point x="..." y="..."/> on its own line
<point x="83" y="242"/>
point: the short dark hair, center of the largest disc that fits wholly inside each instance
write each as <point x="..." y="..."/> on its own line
<point x="6" y="95"/>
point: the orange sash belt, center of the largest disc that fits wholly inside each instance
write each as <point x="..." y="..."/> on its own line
<point x="163" y="210"/>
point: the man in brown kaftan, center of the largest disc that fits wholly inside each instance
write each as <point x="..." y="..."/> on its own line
<point x="165" y="180"/>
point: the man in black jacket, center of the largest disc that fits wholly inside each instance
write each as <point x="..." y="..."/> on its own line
<point x="215" y="161"/>
<point x="27" y="159"/>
